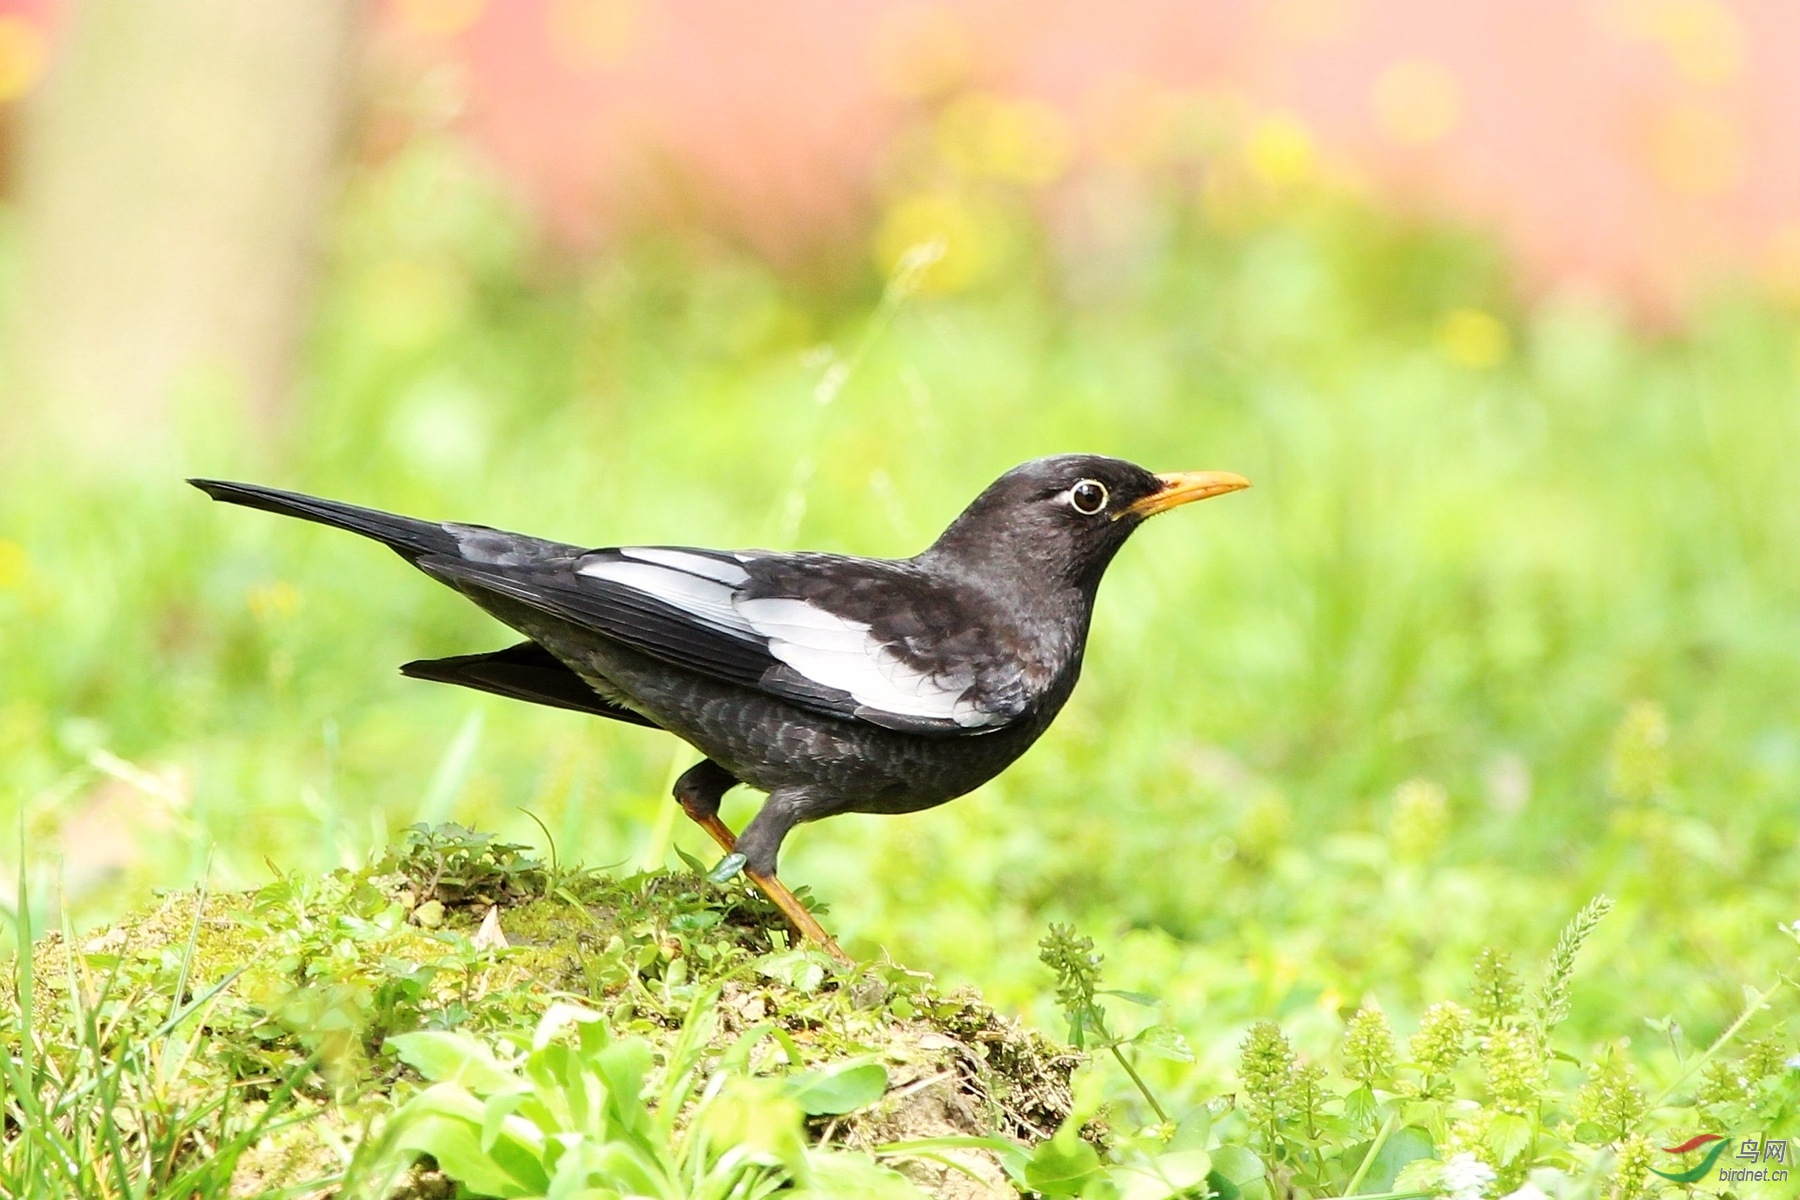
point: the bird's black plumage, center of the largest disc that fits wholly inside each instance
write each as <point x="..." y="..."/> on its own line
<point x="836" y="684"/>
<point x="526" y="672"/>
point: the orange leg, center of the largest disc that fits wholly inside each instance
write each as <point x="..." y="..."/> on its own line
<point x="803" y="921"/>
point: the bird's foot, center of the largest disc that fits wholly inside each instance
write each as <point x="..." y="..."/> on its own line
<point x="728" y="868"/>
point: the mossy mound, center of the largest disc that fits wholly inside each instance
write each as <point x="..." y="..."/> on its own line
<point x="286" y="995"/>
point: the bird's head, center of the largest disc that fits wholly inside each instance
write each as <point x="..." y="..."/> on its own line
<point x="1063" y="518"/>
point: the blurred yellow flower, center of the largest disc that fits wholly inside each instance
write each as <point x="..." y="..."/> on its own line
<point x="1703" y="39"/>
<point x="439" y="18"/>
<point x="1696" y="150"/>
<point x="593" y="33"/>
<point x="22" y="55"/>
<point x="1470" y="337"/>
<point x="1310" y="20"/>
<point x="939" y="241"/>
<point x="1280" y="150"/>
<point x="269" y="601"/>
<point x="1416" y="102"/>
<point x="407" y="303"/>
<point x="921" y="52"/>
<point x="13" y="564"/>
<point x="1137" y="122"/>
<point x="1020" y="141"/>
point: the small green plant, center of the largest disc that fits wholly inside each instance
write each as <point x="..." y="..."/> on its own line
<point x="1077" y="965"/>
<point x="594" y="1115"/>
<point x="450" y="864"/>
<point x="1480" y="1105"/>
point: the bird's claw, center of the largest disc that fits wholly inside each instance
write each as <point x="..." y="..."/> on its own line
<point x="728" y="867"/>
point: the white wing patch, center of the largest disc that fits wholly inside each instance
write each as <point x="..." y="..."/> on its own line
<point x="832" y="651"/>
<point x="686" y="561"/>
<point x="705" y="599"/>
<point x="843" y="654"/>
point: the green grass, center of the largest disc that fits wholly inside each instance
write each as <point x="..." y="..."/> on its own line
<point x="1482" y="643"/>
<point x="319" y="1033"/>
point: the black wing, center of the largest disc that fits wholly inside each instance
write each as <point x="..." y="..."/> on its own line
<point x="526" y="672"/>
<point x="861" y="639"/>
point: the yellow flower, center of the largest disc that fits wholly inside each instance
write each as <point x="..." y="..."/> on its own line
<point x="1280" y="150"/>
<point x="1416" y="102"/>
<point x="13" y="564"/>
<point x="1696" y="150"/>
<point x="1019" y="141"/>
<point x="1704" y="39"/>
<point x="22" y="56"/>
<point x="940" y="241"/>
<point x="593" y="33"/>
<point x="1470" y="337"/>
<point x="272" y="600"/>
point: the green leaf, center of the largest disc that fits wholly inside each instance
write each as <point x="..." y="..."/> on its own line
<point x="1194" y="1130"/>
<point x="1237" y="1174"/>
<point x="494" y="1115"/>
<point x="1508" y="1136"/>
<point x="841" y="1088"/>
<point x="629" y="1169"/>
<point x="799" y="969"/>
<point x="1360" y="1107"/>
<point x="445" y="1121"/>
<point x="1144" y="999"/>
<point x="445" y="1057"/>
<point x="456" y="1145"/>
<point x="560" y="1016"/>
<point x="1164" y="1176"/>
<point x="1163" y="1041"/>
<point x="1407" y="1145"/>
<point x="1590" y="1133"/>
<point x="1419" y="1175"/>
<point x="623" y="1066"/>
<point x="1238" y="1164"/>
<point x="1062" y="1166"/>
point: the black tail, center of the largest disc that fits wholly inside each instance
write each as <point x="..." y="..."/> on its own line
<point x="523" y="672"/>
<point x="408" y="535"/>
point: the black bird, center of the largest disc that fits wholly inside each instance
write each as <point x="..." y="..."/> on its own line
<point x="834" y="684"/>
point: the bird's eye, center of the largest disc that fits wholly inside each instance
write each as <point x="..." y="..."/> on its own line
<point x="1088" y="497"/>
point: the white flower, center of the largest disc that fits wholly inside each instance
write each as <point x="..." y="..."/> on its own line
<point x="1793" y="1064"/>
<point x="1465" y="1177"/>
<point x="1527" y="1191"/>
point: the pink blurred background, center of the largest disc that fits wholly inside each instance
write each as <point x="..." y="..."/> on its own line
<point x="1646" y="147"/>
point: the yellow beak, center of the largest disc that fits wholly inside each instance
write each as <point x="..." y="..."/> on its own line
<point x="1184" y="487"/>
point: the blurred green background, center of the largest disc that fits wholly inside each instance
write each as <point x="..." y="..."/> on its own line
<point x="1509" y="619"/>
